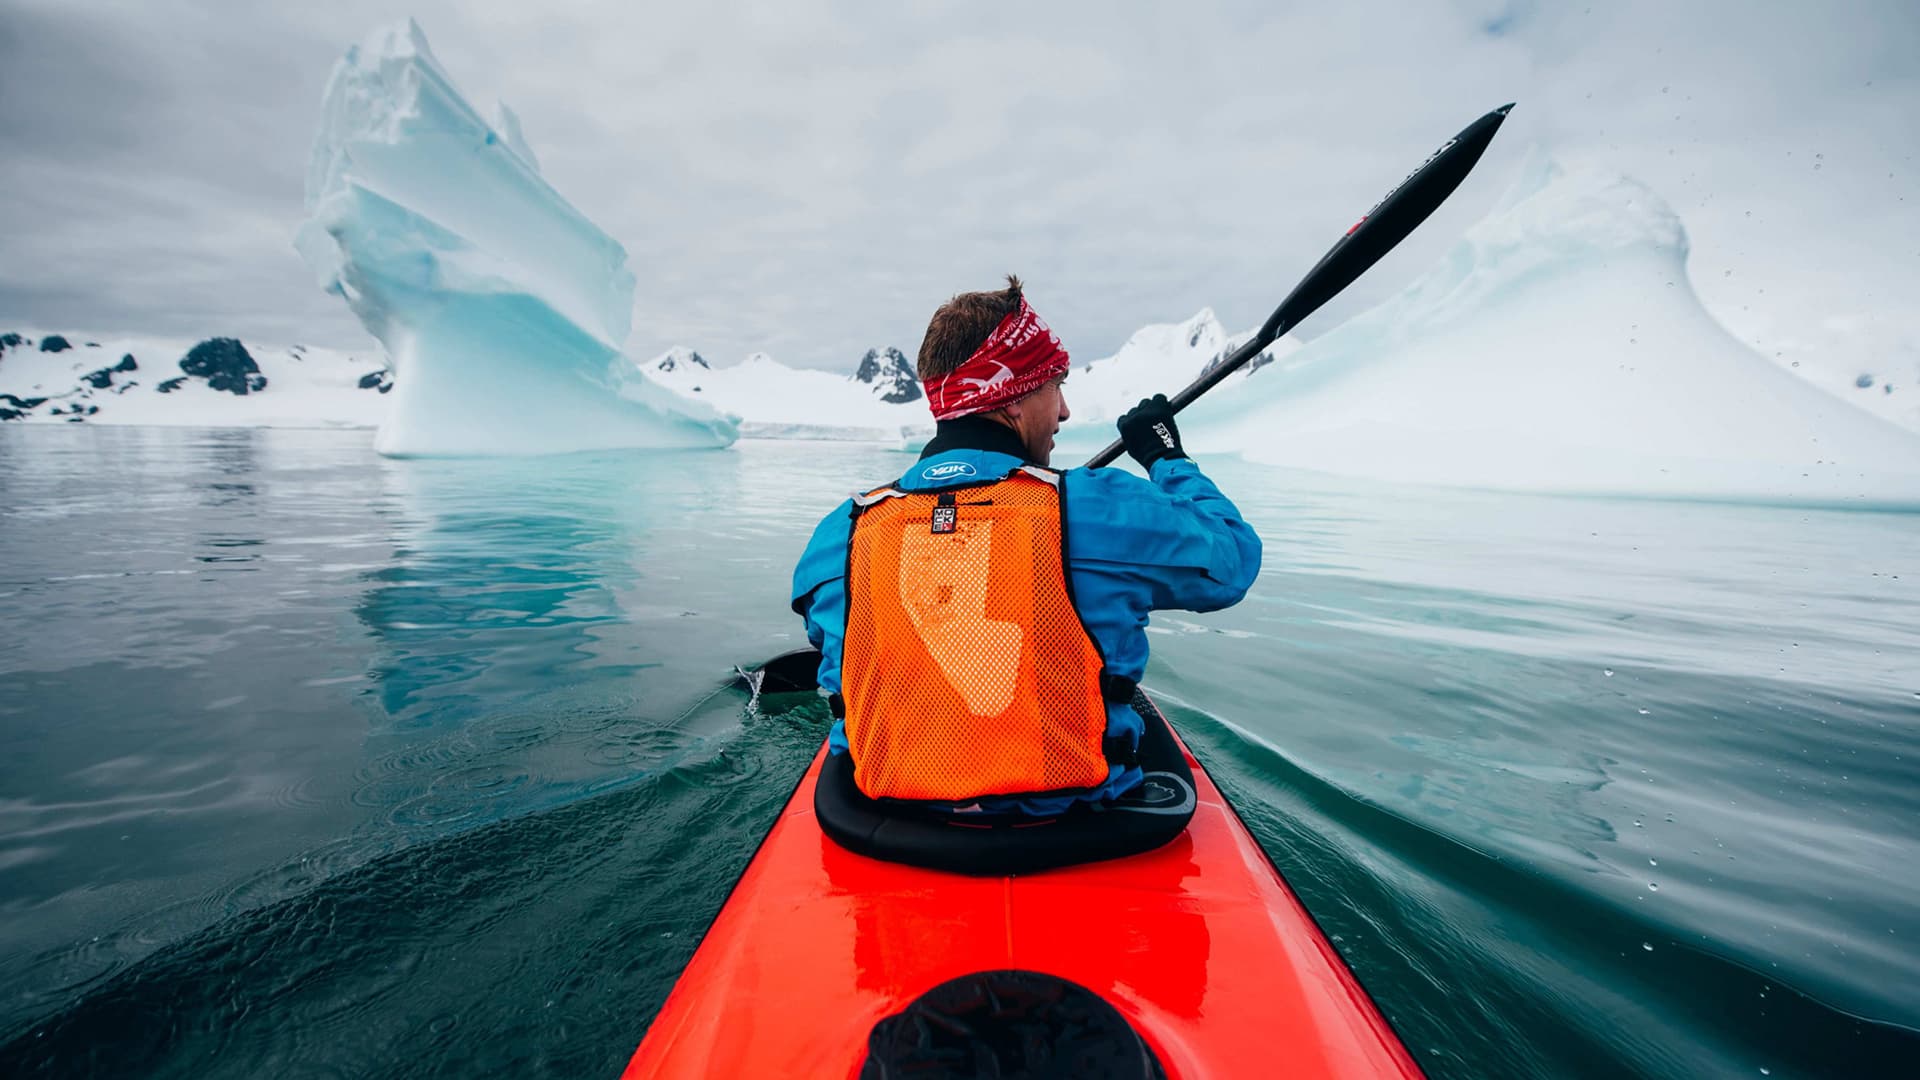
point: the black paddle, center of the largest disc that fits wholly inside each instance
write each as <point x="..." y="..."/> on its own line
<point x="788" y="673"/>
<point x="1384" y="226"/>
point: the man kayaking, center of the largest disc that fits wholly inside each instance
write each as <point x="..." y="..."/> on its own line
<point x="982" y="620"/>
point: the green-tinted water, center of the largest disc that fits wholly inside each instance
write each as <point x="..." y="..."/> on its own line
<point x="322" y="764"/>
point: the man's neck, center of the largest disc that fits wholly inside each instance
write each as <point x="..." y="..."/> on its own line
<point x="975" y="433"/>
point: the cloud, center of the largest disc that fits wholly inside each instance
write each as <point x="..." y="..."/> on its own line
<point x="812" y="178"/>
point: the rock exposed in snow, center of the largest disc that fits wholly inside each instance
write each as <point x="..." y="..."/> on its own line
<point x="890" y="375"/>
<point x="294" y="387"/>
<point x="226" y="365"/>
<point x="678" y="359"/>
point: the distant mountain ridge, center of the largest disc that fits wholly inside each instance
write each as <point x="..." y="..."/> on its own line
<point x="215" y="382"/>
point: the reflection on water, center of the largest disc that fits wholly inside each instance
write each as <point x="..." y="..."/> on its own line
<point x="1550" y="764"/>
<point x="378" y="767"/>
<point x="448" y="612"/>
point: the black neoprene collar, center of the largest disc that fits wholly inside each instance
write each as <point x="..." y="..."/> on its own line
<point x="975" y="433"/>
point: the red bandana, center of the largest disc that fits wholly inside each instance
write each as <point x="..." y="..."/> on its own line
<point x="1019" y="357"/>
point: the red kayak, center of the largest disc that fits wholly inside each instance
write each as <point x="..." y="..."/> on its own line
<point x="1198" y="945"/>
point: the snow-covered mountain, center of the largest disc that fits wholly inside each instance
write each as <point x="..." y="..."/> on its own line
<point x="1559" y="347"/>
<point x="218" y="382"/>
<point x="1158" y="359"/>
<point x="773" y="400"/>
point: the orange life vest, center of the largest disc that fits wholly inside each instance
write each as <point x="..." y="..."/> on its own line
<point x="966" y="670"/>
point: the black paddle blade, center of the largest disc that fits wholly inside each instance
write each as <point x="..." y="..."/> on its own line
<point x="789" y="673"/>
<point x="1390" y="221"/>
<point x="1375" y="234"/>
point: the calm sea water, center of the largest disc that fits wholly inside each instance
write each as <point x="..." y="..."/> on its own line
<point x="318" y="764"/>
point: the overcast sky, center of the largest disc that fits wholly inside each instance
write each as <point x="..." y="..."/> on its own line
<point x="812" y="178"/>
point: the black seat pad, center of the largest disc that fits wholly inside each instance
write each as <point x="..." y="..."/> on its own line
<point x="904" y="832"/>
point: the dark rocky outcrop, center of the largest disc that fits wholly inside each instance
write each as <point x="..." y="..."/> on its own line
<point x="672" y="361"/>
<point x="103" y="378"/>
<point x="14" y="408"/>
<point x="11" y="341"/>
<point x="226" y="365"/>
<point x="890" y="375"/>
<point x="381" y="380"/>
<point x="172" y="384"/>
<point x="54" y="343"/>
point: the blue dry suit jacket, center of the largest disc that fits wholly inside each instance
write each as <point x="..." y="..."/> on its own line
<point x="1133" y="546"/>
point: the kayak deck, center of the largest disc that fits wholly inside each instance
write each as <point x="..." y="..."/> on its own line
<point x="1199" y="944"/>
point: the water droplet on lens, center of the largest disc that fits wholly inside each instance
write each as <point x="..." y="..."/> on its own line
<point x="1647" y="946"/>
<point x="1653" y="886"/>
<point x="1653" y="862"/>
<point x="1643" y="712"/>
<point x="1608" y="672"/>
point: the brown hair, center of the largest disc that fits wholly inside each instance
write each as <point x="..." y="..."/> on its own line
<point x="962" y="325"/>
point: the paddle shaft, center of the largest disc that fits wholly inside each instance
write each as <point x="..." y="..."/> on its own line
<point x="1383" y="227"/>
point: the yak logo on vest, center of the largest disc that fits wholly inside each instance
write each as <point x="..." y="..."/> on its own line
<point x="946" y="469"/>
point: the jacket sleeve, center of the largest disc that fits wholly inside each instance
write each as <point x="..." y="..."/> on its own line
<point x="1176" y="534"/>
<point x="820" y="590"/>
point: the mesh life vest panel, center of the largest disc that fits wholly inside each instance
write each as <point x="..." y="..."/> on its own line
<point x="966" y="670"/>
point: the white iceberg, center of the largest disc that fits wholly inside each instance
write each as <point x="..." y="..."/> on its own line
<point x="502" y="308"/>
<point x="1559" y="347"/>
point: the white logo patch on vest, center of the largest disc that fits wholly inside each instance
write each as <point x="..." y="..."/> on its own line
<point x="946" y="469"/>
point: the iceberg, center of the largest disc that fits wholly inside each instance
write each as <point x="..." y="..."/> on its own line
<point x="501" y="307"/>
<point x="1559" y="347"/>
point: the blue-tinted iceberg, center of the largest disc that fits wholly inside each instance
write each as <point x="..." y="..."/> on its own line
<point x="502" y="308"/>
<point x="1559" y="347"/>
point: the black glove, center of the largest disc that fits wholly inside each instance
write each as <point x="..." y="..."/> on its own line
<point x="1147" y="431"/>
